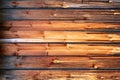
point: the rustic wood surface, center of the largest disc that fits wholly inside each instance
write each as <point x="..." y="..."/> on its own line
<point x="61" y="62"/>
<point x="59" y="40"/>
<point x="60" y="49"/>
<point x="61" y="75"/>
<point x="57" y="25"/>
<point x="59" y="14"/>
<point x="61" y="4"/>
<point x="64" y="36"/>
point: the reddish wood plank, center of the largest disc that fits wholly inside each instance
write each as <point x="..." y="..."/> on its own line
<point x="61" y="14"/>
<point x="55" y="25"/>
<point x="65" y="36"/>
<point x="61" y="62"/>
<point x="61" y="75"/>
<point x="62" y="4"/>
<point x="58" y="49"/>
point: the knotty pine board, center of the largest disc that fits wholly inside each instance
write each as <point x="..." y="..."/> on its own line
<point x="106" y="4"/>
<point x="56" y="25"/>
<point x="60" y="75"/>
<point x="61" y="14"/>
<point x="60" y="49"/>
<point x="84" y="21"/>
<point x="64" y="36"/>
<point x="60" y="62"/>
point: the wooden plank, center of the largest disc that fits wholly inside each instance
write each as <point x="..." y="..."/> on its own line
<point x="56" y="41"/>
<point x="69" y="36"/>
<point x="78" y="36"/>
<point x="114" y="0"/>
<point x="80" y="15"/>
<point x="61" y="75"/>
<point x="52" y="60"/>
<point x="61" y="4"/>
<point x="56" y="25"/>
<point x="59" y="49"/>
<point x="61" y="62"/>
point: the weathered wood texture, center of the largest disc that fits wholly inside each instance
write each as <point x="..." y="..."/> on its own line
<point x="69" y="15"/>
<point x="54" y="36"/>
<point x="57" y="25"/>
<point x="61" y="4"/>
<point x="60" y="49"/>
<point x="60" y="40"/>
<point x="61" y="62"/>
<point x="61" y="75"/>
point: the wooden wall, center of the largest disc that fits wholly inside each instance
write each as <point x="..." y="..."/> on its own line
<point x="60" y="40"/>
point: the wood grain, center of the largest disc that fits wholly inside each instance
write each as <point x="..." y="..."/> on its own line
<point x="57" y="25"/>
<point x="61" y="4"/>
<point x="58" y="15"/>
<point x="64" y="36"/>
<point x="59" y="49"/>
<point x="61" y="62"/>
<point x="61" y="75"/>
<point x="60" y="40"/>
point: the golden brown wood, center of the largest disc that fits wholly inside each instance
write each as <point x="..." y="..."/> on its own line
<point x="59" y="40"/>
<point x="64" y="36"/>
<point x="62" y="75"/>
<point x="56" y="25"/>
<point x="59" y="49"/>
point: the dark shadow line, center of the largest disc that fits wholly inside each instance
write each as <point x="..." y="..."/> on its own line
<point x="60" y="8"/>
<point x="61" y="69"/>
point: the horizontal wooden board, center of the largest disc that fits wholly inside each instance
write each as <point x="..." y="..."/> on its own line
<point x="56" y="41"/>
<point x="61" y="4"/>
<point x="59" y="49"/>
<point x="87" y="48"/>
<point x="61" y="62"/>
<point x="56" y="25"/>
<point x="61" y="75"/>
<point x="59" y="36"/>
<point x="69" y="15"/>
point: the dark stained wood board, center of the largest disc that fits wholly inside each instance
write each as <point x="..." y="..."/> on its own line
<point x="58" y="15"/>
<point x="61" y="62"/>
